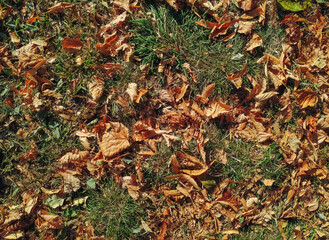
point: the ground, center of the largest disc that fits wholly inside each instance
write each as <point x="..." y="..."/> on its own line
<point x="164" y="119"/>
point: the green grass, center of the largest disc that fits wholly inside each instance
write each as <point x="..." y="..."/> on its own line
<point x="244" y="159"/>
<point x="114" y="213"/>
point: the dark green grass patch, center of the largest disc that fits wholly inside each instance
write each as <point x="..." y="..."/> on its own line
<point x="114" y="213"/>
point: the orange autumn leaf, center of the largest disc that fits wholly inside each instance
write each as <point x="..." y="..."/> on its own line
<point x="32" y="19"/>
<point x="9" y="102"/>
<point x="306" y="98"/>
<point x="71" y="45"/>
<point x="140" y="94"/>
<point x="203" y="98"/>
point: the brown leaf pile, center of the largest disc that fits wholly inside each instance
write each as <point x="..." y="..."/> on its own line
<point x="174" y="118"/>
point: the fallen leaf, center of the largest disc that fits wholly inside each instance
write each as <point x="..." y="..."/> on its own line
<point x="115" y="139"/>
<point x="71" y="183"/>
<point x="60" y="7"/>
<point x="203" y="98"/>
<point x="298" y="233"/>
<point x="14" y="38"/>
<point x="254" y="42"/>
<point x="96" y="87"/>
<point x="140" y="94"/>
<point x="71" y="45"/>
<point x="46" y="221"/>
<point x="32" y="19"/>
<point x="246" y="5"/>
<point x="174" y="4"/>
<point x="132" y="91"/>
<point x="268" y="182"/>
<point x="246" y="27"/>
<point x="236" y="78"/>
<point x="306" y="98"/>
<point x="123" y="4"/>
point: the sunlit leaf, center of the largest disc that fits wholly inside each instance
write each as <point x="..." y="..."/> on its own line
<point x="295" y="5"/>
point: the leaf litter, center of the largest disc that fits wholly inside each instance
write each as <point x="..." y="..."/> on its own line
<point x="174" y="118"/>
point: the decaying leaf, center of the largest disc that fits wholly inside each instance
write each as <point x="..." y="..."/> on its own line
<point x="96" y="87"/>
<point x="132" y="91"/>
<point x="236" y="78"/>
<point x="246" y="27"/>
<point x="115" y="139"/>
<point x="254" y="42"/>
<point x="268" y="182"/>
<point x="14" y="38"/>
<point x="306" y="98"/>
<point x="71" y="45"/>
<point x="60" y="7"/>
<point x="247" y="5"/>
<point x="203" y="98"/>
<point x="47" y="220"/>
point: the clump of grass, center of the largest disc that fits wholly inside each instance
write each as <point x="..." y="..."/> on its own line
<point x="244" y="159"/>
<point x="157" y="167"/>
<point x="114" y="213"/>
<point x="270" y="164"/>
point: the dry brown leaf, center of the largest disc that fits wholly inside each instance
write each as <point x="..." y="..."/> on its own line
<point x="163" y="230"/>
<point x="185" y="177"/>
<point x="216" y="108"/>
<point x="174" y="4"/>
<point x="47" y="220"/>
<point x="306" y="98"/>
<point x="203" y="98"/>
<point x="290" y="195"/>
<point x="236" y="78"/>
<point x="246" y="27"/>
<point x="222" y="156"/>
<point x="71" y="183"/>
<point x="189" y="71"/>
<point x="321" y="233"/>
<point x="268" y="182"/>
<point x="246" y="5"/>
<point x="16" y="235"/>
<point x="96" y="87"/>
<point x="115" y="139"/>
<point x="14" y="38"/>
<point x="181" y="91"/>
<point x="145" y="129"/>
<point x="265" y="96"/>
<point x="29" y="155"/>
<point x="71" y="45"/>
<point x="132" y="91"/>
<point x="123" y="4"/>
<point x="175" y="164"/>
<point x="254" y="42"/>
<point x="298" y="233"/>
<point x="130" y="183"/>
<point x="60" y="7"/>
<point x="313" y="205"/>
<point x="75" y="157"/>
